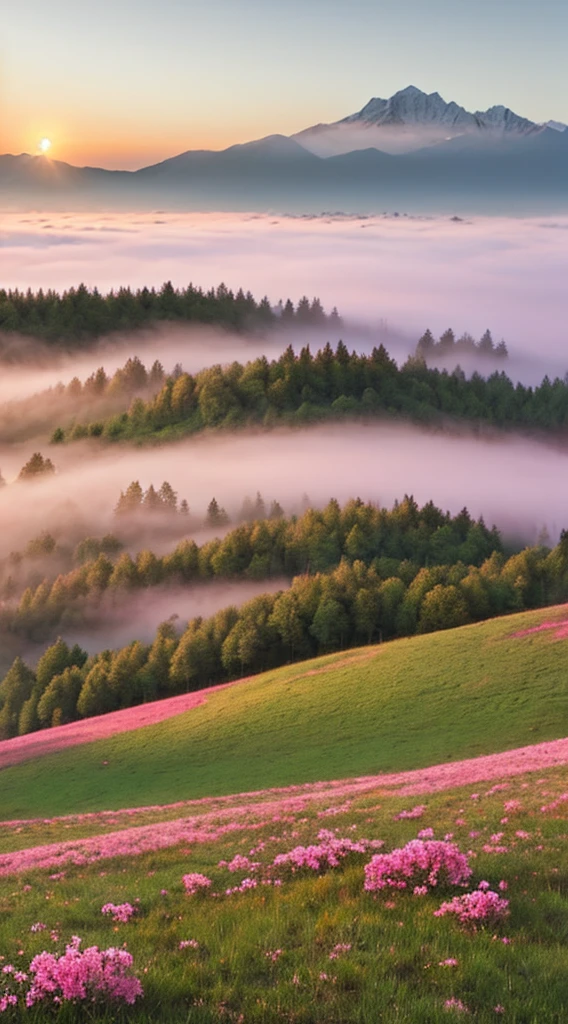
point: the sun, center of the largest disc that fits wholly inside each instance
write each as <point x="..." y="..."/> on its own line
<point x="44" y="145"/>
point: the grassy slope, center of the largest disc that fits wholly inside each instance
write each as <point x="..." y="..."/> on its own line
<point x="394" y="970"/>
<point x="407" y="704"/>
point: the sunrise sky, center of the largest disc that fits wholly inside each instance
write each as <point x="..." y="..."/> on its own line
<point x="124" y="83"/>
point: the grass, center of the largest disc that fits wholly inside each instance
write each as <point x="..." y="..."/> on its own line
<point x="393" y="971"/>
<point x="407" y="704"/>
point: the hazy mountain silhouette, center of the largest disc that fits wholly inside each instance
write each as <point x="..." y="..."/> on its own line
<point x="494" y="161"/>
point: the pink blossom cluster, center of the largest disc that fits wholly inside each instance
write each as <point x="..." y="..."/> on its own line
<point x="327" y="853"/>
<point x="483" y="906"/>
<point x="239" y="863"/>
<point x="330" y="812"/>
<point x="419" y="863"/>
<point x="273" y="955"/>
<point x="546" y="808"/>
<point x="92" y="974"/>
<point x="339" y="949"/>
<point x="121" y="912"/>
<point x="416" y="812"/>
<point x="188" y="944"/>
<point x="246" y="884"/>
<point x="456" y="1005"/>
<point x="194" y="882"/>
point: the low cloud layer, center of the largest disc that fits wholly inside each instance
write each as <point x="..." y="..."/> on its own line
<point x="520" y="485"/>
<point x="408" y="273"/>
<point x="137" y="616"/>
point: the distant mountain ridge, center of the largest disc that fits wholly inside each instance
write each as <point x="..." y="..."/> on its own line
<point x="411" y="119"/>
<point x="413" y="152"/>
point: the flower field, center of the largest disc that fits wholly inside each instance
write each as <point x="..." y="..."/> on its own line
<point x="146" y="877"/>
<point x="330" y="903"/>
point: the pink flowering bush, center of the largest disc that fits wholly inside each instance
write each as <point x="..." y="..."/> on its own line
<point x="195" y="882"/>
<point x="121" y="912"/>
<point x="326" y="854"/>
<point x="94" y="975"/>
<point x="419" y="863"/>
<point x="483" y="906"/>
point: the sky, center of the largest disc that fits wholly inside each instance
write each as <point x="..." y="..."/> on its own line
<point x="126" y="83"/>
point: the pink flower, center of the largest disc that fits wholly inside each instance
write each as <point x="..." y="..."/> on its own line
<point x="188" y="944"/>
<point x="421" y="863"/>
<point x="273" y="955"/>
<point x="121" y="912"/>
<point x="327" y="853"/>
<point x="416" y="812"/>
<point x="450" y="962"/>
<point x="89" y="974"/>
<point x="480" y="907"/>
<point x="455" y="1004"/>
<point x="341" y="947"/>
<point x="195" y="882"/>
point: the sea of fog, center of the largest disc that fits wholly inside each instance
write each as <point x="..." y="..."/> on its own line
<point x="393" y="275"/>
<point x="518" y="484"/>
<point x="390" y="277"/>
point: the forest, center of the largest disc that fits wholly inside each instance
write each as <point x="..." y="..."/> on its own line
<point x="74" y="318"/>
<point x="359" y="574"/>
<point x="334" y="384"/>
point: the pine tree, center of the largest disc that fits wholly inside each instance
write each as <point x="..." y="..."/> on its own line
<point x="36" y="466"/>
<point x="216" y="516"/>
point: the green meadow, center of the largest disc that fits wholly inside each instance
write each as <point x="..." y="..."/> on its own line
<point x="265" y="956"/>
<point x="406" y="704"/>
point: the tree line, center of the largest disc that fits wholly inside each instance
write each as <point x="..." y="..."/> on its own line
<point x="80" y="314"/>
<point x="100" y="395"/>
<point x="47" y="555"/>
<point x="270" y="547"/>
<point x="302" y="388"/>
<point x="351" y="605"/>
<point x="448" y="345"/>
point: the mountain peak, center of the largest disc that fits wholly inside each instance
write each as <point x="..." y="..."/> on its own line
<point x="504" y="119"/>
<point x="412" y="119"/>
<point x="411" y="106"/>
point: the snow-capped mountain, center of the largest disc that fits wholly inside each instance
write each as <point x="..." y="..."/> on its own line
<point x="409" y="120"/>
<point x="412" y="106"/>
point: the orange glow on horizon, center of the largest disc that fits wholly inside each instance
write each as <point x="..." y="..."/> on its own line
<point x="95" y="146"/>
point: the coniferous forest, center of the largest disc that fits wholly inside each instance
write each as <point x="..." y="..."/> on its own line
<point x="343" y="575"/>
<point x="333" y="384"/>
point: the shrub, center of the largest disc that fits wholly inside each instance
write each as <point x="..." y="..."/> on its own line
<point x="419" y="863"/>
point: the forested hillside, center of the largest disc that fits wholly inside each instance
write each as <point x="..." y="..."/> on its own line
<point x="360" y="575"/>
<point x="301" y="388"/>
<point x="78" y="315"/>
